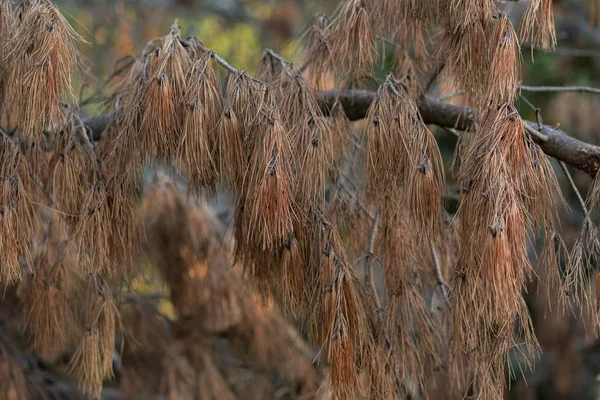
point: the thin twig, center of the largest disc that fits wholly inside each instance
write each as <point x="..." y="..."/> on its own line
<point x="529" y="103"/>
<point x="83" y="132"/>
<point x="438" y="68"/>
<point x="453" y="131"/>
<point x="148" y="45"/>
<point x="534" y="132"/>
<point x="4" y="133"/>
<point x="450" y="95"/>
<point x="369" y="279"/>
<point x="577" y="89"/>
<point x="438" y="273"/>
<point x="580" y="200"/>
<point x="355" y="198"/>
<point x="284" y="63"/>
<point x="231" y="69"/>
<point x="564" y="51"/>
<point x="391" y="85"/>
<point x="563" y="166"/>
<point x="224" y="63"/>
<point x="386" y="40"/>
<point x="587" y="220"/>
<point x="588" y="225"/>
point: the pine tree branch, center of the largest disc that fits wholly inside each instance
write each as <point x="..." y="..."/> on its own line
<point x="553" y="141"/>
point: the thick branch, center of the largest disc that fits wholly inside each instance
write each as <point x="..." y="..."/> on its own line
<point x="558" y="144"/>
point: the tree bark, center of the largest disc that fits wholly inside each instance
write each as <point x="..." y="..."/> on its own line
<point x="578" y="154"/>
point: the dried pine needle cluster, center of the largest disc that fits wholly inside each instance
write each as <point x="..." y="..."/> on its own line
<point x="70" y="233"/>
<point x="183" y="242"/>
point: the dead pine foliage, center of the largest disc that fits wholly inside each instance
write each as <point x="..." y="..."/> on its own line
<point x="341" y="270"/>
